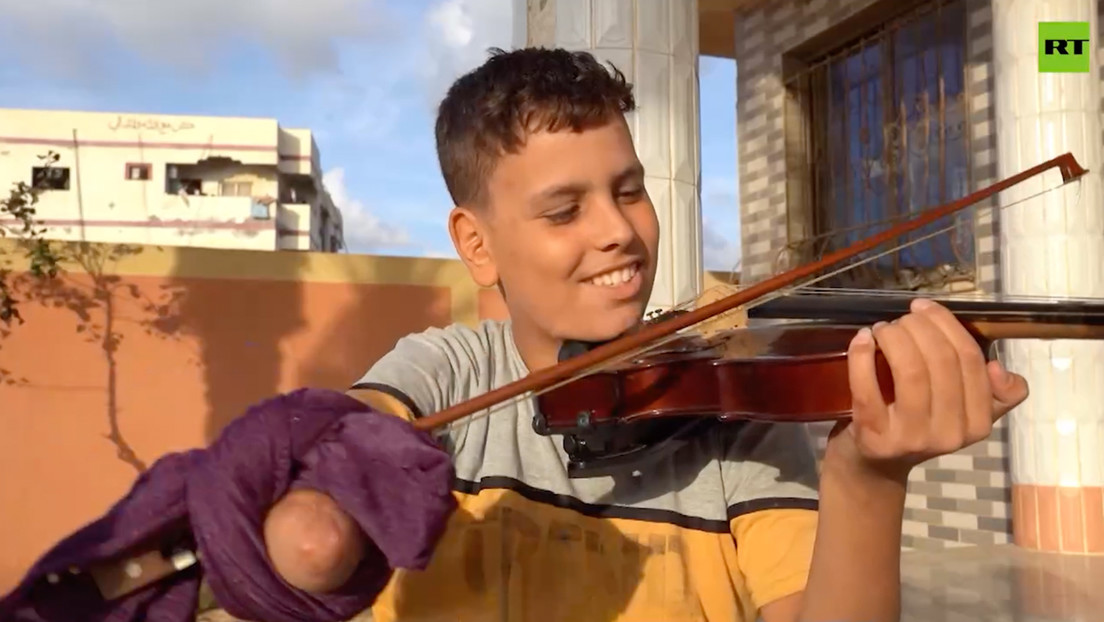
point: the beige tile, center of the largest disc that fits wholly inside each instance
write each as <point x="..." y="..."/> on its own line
<point x="960" y="520"/>
<point x="914" y="528"/>
<point x="959" y="491"/>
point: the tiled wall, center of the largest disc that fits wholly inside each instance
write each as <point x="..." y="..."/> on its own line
<point x="954" y="500"/>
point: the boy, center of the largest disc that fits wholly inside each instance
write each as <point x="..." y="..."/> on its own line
<point x="551" y="208"/>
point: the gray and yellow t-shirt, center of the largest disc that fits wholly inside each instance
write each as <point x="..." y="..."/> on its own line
<point x="713" y="532"/>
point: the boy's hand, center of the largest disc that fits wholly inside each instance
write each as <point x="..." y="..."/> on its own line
<point x="947" y="395"/>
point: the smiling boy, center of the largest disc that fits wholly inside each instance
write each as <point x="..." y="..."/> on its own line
<point x="551" y="207"/>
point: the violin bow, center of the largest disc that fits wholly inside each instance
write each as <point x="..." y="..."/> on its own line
<point x="582" y="364"/>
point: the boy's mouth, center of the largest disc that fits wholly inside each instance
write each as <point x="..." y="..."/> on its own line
<point x="615" y="277"/>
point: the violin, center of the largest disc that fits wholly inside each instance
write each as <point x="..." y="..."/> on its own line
<point x="795" y="371"/>
<point x="634" y="399"/>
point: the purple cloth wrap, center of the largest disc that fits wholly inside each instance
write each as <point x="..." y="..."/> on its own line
<point x="394" y="480"/>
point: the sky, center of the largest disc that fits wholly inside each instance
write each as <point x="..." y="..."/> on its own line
<point x="364" y="75"/>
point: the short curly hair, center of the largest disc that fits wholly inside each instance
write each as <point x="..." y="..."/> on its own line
<point x="490" y="111"/>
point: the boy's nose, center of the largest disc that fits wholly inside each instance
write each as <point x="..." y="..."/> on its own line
<point x="612" y="228"/>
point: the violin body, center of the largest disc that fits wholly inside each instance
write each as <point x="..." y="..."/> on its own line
<point x="785" y="373"/>
<point x="788" y="373"/>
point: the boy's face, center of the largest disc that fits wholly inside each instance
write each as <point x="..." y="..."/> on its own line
<point x="570" y="233"/>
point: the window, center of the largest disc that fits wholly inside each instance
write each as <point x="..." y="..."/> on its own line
<point x="50" y="177"/>
<point x="236" y="189"/>
<point x="889" y="140"/>
<point x="259" y="211"/>
<point x="138" y="172"/>
<point x="183" y="179"/>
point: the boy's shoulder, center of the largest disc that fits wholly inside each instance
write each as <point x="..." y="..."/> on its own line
<point x="442" y="365"/>
<point x="457" y="342"/>
<point x="481" y="330"/>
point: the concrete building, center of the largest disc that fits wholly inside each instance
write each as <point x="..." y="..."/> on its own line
<point x="852" y="113"/>
<point x="214" y="182"/>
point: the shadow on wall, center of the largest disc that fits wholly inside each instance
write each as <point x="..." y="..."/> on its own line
<point x="101" y="306"/>
<point x="301" y="319"/>
<point x="239" y="327"/>
<point x="372" y="318"/>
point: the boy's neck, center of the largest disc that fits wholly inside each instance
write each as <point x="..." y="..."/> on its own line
<point x="537" y="349"/>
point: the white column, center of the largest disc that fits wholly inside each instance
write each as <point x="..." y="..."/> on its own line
<point x="1052" y="246"/>
<point x="655" y="44"/>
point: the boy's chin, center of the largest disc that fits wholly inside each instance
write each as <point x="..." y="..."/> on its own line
<point x="611" y="326"/>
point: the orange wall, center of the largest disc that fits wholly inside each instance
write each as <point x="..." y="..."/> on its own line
<point x="157" y="349"/>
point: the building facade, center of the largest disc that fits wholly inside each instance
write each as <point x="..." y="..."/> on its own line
<point x="214" y="182"/>
<point x="854" y="114"/>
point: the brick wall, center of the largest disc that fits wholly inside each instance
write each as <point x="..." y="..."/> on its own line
<point x="959" y="499"/>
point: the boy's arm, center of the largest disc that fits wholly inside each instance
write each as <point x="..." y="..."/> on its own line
<point x="314" y="544"/>
<point x="947" y="397"/>
<point x="311" y="542"/>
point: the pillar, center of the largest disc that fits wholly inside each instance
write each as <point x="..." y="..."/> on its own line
<point x="1052" y="246"/>
<point x="655" y="44"/>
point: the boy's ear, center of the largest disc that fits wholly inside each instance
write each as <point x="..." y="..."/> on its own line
<point x="469" y="236"/>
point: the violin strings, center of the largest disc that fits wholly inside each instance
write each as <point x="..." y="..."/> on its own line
<point x="788" y="291"/>
<point x="825" y="292"/>
<point x="974" y="294"/>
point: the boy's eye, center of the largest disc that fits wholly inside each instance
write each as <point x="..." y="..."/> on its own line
<point x="562" y="216"/>
<point x="631" y="194"/>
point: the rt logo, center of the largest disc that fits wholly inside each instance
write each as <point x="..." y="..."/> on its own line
<point x="1064" y="47"/>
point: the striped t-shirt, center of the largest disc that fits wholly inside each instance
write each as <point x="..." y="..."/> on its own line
<point x="710" y="533"/>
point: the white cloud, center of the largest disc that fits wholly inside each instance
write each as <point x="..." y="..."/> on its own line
<point x="719" y="252"/>
<point x="457" y="35"/>
<point x="73" y="34"/>
<point x="721" y="224"/>
<point x="364" y="231"/>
